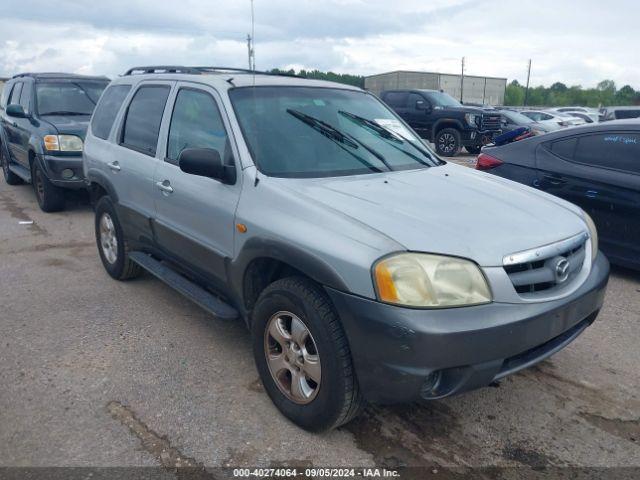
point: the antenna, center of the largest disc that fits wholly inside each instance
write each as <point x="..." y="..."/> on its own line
<point x="250" y="42"/>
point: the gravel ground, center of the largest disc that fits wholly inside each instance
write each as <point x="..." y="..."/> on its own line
<point x="96" y="372"/>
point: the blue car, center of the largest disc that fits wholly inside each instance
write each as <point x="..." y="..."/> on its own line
<point x="596" y="167"/>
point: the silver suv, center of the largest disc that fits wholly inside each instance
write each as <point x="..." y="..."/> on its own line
<point x="365" y="267"/>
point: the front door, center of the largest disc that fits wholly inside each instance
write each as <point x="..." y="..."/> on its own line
<point x="194" y="214"/>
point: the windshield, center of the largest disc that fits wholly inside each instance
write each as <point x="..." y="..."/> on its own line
<point x="441" y="99"/>
<point x="68" y="97"/>
<point x="517" y="118"/>
<point x="322" y="132"/>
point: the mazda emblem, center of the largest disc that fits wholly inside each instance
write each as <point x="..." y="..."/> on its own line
<point x="562" y="270"/>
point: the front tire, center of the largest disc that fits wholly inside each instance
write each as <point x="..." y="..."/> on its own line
<point x="111" y="244"/>
<point x="473" y="150"/>
<point x="9" y="177"/>
<point x="448" y="142"/>
<point x="50" y="198"/>
<point x="302" y="355"/>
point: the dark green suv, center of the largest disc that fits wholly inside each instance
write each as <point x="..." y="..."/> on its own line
<point x="43" y="122"/>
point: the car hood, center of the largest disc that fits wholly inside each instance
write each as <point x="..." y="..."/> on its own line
<point x="69" y="124"/>
<point x="449" y="209"/>
<point x="464" y="109"/>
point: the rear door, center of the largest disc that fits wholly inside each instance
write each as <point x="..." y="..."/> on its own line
<point x="133" y="166"/>
<point x="600" y="172"/>
<point x="194" y="214"/>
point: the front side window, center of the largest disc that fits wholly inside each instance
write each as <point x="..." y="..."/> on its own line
<point x="15" y="94"/>
<point x="321" y="132"/>
<point x="441" y="99"/>
<point x="144" y="116"/>
<point x="107" y="109"/>
<point x="25" y="97"/>
<point x="196" y="123"/>
<point x="75" y="97"/>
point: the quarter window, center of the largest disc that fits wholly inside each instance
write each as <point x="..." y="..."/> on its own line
<point x="144" y="115"/>
<point x="196" y="123"/>
<point x="107" y="110"/>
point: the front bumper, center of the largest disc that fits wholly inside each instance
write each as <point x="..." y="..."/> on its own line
<point x="404" y="354"/>
<point x="55" y="165"/>
<point x="473" y="137"/>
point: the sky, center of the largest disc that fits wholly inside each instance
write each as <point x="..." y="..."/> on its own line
<point x="577" y="42"/>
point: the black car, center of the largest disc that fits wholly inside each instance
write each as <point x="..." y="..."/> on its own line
<point x="441" y="119"/>
<point x="43" y="121"/>
<point x="595" y="166"/>
<point x="512" y="120"/>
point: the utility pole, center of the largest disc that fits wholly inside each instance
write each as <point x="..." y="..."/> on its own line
<point x="526" y="91"/>
<point x="462" y="81"/>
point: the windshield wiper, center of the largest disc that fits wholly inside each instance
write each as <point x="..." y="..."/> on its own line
<point x="339" y="137"/>
<point x="64" y="112"/>
<point x="389" y="135"/>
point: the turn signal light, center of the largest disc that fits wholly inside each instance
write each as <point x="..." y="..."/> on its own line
<point x="487" y="162"/>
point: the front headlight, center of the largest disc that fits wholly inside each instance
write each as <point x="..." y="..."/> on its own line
<point x="472" y="119"/>
<point x="426" y="280"/>
<point x="63" y="143"/>
<point x="593" y="233"/>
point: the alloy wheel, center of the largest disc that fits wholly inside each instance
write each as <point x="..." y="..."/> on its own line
<point x="292" y="357"/>
<point x="447" y="142"/>
<point x="108" y="239"/>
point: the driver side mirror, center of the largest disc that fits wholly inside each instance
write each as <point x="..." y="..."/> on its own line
<point x="16" y="110"/>
<point x="206" y="162"/>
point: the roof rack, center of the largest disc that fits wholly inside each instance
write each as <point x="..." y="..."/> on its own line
<point x="194" y="70"/>
<point x="56" y="75"/>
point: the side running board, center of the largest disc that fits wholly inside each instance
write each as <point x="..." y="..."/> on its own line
<point x="193" y="292"/>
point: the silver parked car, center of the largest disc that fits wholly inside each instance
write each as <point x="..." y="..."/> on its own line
<point x="365" y="267"/>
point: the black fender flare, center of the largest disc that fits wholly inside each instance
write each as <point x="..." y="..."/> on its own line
<point x="99" y="178"/>
<point x="437" y="125"/>
<point x="302" y="260"/>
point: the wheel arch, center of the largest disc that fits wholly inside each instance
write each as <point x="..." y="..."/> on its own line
<point x="99" y="184"/>
<point x="446" y="123"/>
<point x="263" y="261"/>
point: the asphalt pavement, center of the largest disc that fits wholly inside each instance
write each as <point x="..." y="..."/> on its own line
<point x="96" y="372"/>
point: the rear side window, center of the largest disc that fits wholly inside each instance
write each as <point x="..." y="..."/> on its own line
<point x="619" y="151"/>
<point x="396" y="99"/>
<point x="620" y="114"/>
<point x="107" y="109"/>
<point x="196" y="123"/>
<point x="144" y="115"/>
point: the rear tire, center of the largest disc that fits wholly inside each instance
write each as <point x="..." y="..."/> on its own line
<point x="9" y="177"/>
<point x="448" y="142"/>
<point x="332" y="400"/>
<point x="50" y="198"/>
<point x="112" y="247"/>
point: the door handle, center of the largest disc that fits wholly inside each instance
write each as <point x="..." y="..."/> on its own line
<point x="591" y="194"/>
<point x="115" y="166"/>
<point x="555" y="180"/>
<point x="165" y="186"/>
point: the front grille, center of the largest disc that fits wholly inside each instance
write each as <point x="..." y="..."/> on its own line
<point x="547" y="268"/>
<point x="491" y="122"/>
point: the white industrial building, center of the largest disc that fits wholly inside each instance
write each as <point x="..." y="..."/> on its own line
<point x="484" y="90"/>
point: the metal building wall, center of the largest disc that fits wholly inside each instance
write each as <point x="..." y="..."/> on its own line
<point x="484" y="90"/>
